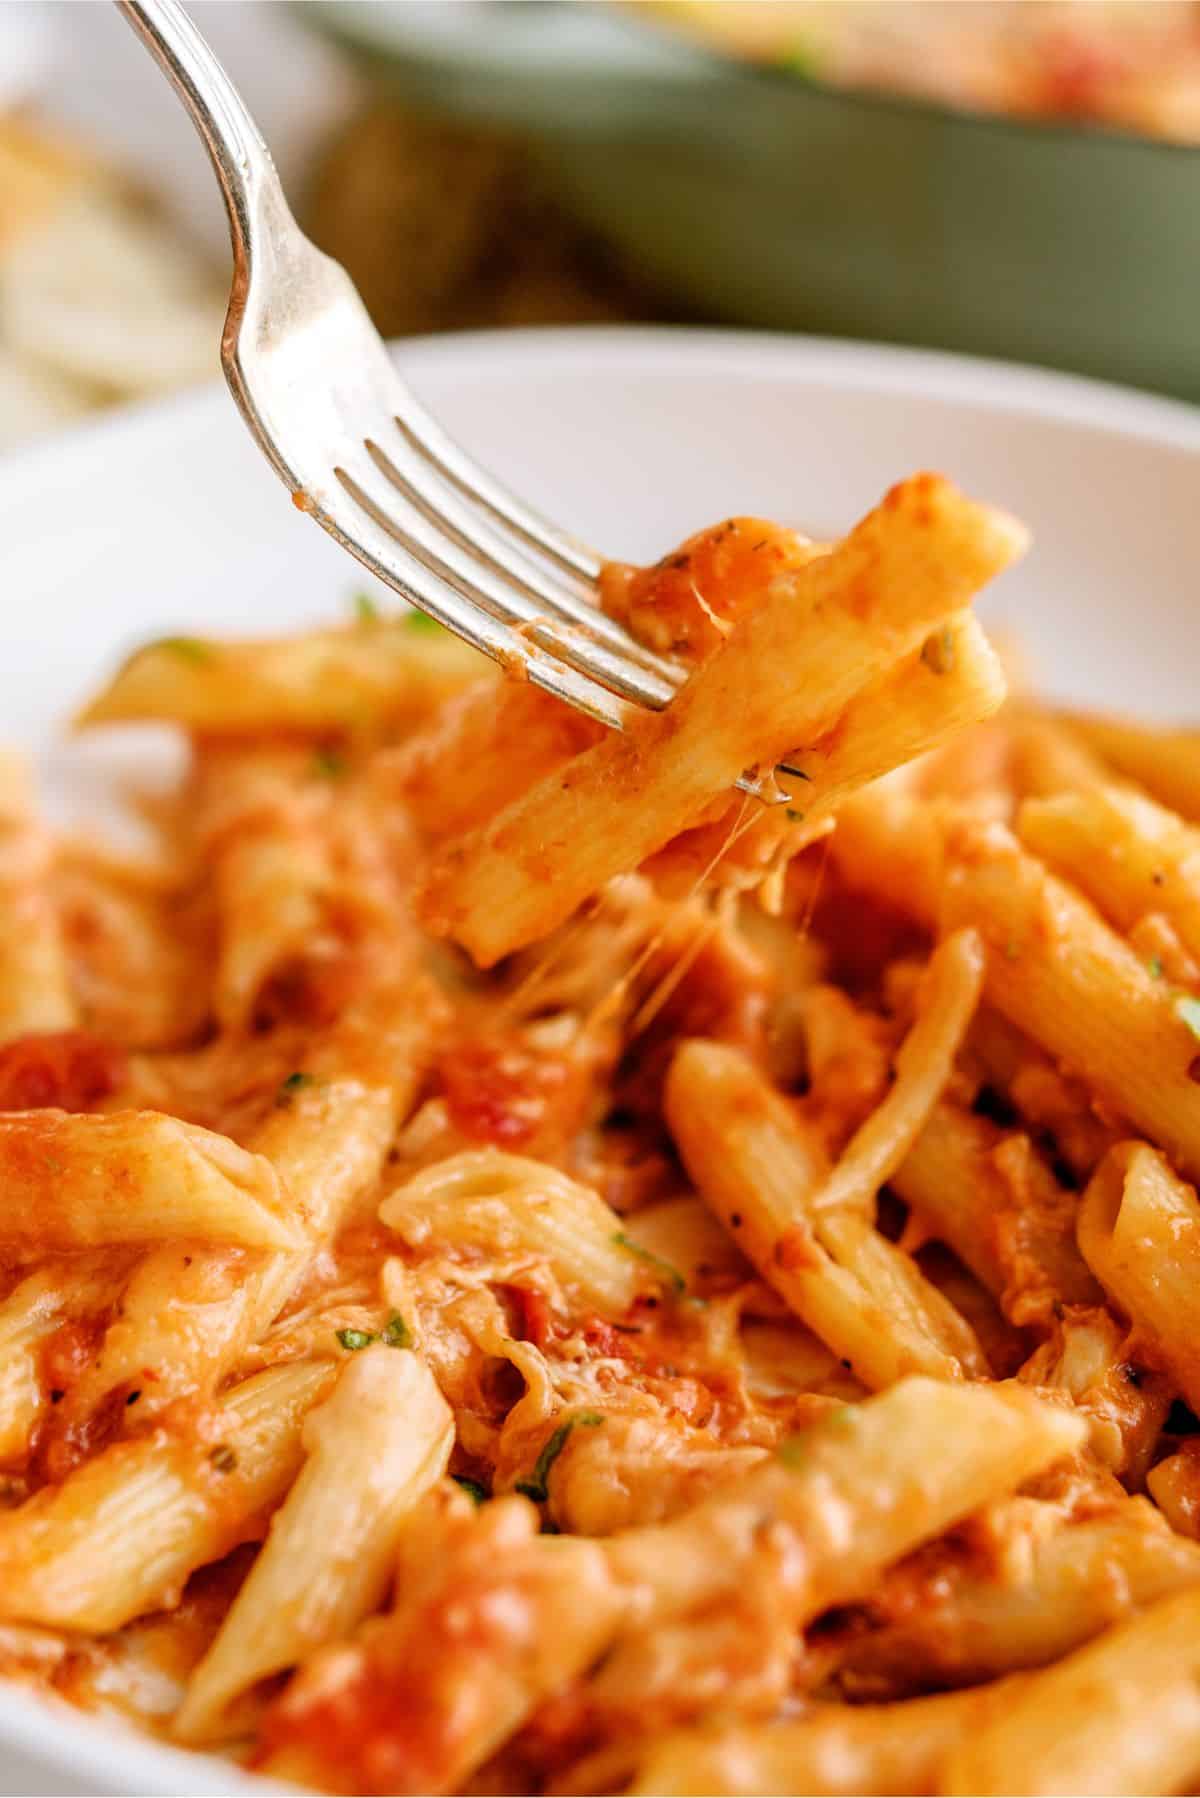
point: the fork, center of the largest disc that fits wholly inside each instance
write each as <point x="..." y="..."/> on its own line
<point x="322" y="399"/>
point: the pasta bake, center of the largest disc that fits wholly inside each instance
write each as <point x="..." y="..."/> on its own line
<point x="1126" y="64"/>
<point x="528" y="1270"/>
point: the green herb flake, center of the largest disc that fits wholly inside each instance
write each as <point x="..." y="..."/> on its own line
<point x="800" y="59"/>
<point x="396" y="1332"/>
<point x="670" y="1275"/>
<point x="298" y="1082"/>
<point x="420" y="623"/>
<point x="537" y="1487"/>
<point x="1154" y="967"/>
<point x="793" y="1451"/>
<point x="365" y="609"/>
<point x="472" y="1488"/>
<point x="937" y="652"/>
<point x="53" y="1164"/>
<point x="794" y="816"/>
<point x="134" y="1396"/>
<point x="1011" y="950"/>
<point x="330" y="764"/>
<point x="186" y="649"/>
<point x="356" y="1339"/>
<point x="223" y="1458"/>
<point x="1187" y="1010"/>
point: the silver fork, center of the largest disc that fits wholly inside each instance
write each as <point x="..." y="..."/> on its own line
<point x="359" y="453"/>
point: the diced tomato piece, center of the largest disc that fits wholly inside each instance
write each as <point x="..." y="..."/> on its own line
<point x="67" y="1069"/>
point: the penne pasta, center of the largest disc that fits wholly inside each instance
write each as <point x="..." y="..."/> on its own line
<point x="492" y="1621"/>
<point x="891" y="843"/>
<point x="1139" y="1231"/>
<point x="513" y="735"/>
<point x="837" y="1749"/>
<point x="62" y="1292"/>
<point x="483" y="1199"/>
<point x="1165" y="762"/>
<point x="1119" y="1716"/>
<point x="1061" y="975"/>
<point x="1047" y="757"/>
<point x="992" y="1199"/>
<point x="906" y="569"/>
<point x="757" y="1168"/>
<point x="977" y="1622"/>
<point x="138" y="940"/>
<point x="1131" y="857"/>
<point x="381" y="674"/>
<point x="326" y="1135"/>
<point x="74" y="1182"/>
<point x="374" y="1449"/>
<point x="904" y="712"/>
<point x="121" y="1535"/>
<point x="181" y="1321"/>
<point x="859" y="1490"/>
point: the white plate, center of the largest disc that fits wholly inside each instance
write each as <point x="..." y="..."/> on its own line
<point x="167" y="521"/>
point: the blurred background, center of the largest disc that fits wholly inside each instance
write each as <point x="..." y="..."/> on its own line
<point x="1019" y="178"/>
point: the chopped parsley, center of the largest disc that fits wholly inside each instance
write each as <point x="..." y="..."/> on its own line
<point x="298" y="1082"/>
<point x="1154" y="967"/>
<point x="537" y="1487"/>
<point x="356" y="1339"/>
<point x="330" y="764"/>
<point x="472" y="1488"/>
<point x="365" y="609"/>
<point x="187" y="649"/>
<point x="223" y="1458"/>
<point x="794" y="816"/>
<point x="670" y="1275"/>
<point x="396" y="1332"/>
<point x="800" y="59"/>
<point x="420" y="622"/>
<point x="937" y="652"/>
<point x="1187" y="1010"/>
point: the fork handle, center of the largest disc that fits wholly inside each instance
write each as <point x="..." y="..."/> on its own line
<point x="248" y="178"/>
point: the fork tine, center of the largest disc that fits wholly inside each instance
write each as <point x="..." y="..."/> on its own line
<point x="479" y="588"/>
<point x="469" y="529"/>
<point x="454" y="465"/>
<point x="461" y="510"/>
<point x="379" y="549"/>
<point x="376" y="548"/>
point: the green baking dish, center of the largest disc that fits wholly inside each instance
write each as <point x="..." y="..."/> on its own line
<point x="756" y="197"/>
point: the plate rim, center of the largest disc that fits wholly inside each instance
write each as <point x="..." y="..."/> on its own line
<point x="1006" y="387"/>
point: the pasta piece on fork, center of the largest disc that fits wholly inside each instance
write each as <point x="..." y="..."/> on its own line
<point x="784" y="676"/>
